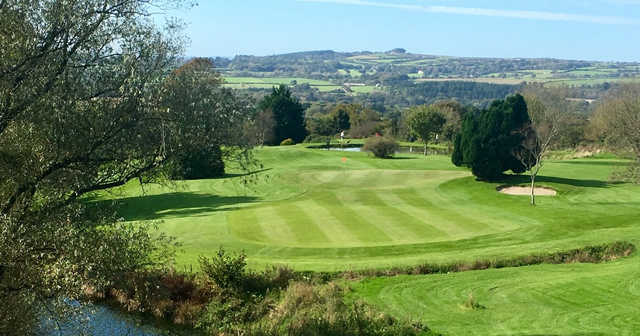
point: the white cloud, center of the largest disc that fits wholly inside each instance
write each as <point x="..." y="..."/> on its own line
<point x="518" y="14"/>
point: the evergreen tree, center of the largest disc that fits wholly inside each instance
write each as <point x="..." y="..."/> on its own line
<point x="288" y="114"/>
<point x="488" y="140"/>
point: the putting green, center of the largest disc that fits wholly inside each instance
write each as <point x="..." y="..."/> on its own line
<point x="327" y="210"/>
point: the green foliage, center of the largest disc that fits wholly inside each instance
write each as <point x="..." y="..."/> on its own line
<point x="269" y="303"/>
<point x="323" y="127"/>
<point x="588" y="254"/>
<point x="226" y="271"/>
<point x="322" y="310"/>
<point x="287" y="142"/>
<point x="288" y="114"/>
<point x="425" y="122"/>
<point x="340" y="117"/>
<point x="201" y="163"/>
<point x="92" y="98"/>
<point x="381" y="147"/>
<point x="488" y="140"/>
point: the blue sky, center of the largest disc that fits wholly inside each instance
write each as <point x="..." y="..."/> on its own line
<point x="589" y="30"/>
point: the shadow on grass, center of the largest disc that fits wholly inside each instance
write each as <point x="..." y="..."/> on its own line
<point x="232" y="175"/>
<point x="525" y="179"/>
<point x="401" y="158"/>
<point x="599" y="163"/>
<point x="177" y="204"/>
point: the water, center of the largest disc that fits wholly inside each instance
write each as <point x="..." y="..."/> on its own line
<point x="401" y="150"/>
<point x="98" y="320"/>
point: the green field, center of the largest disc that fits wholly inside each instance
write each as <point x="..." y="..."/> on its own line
<point x="575" y="299"/>
<point x="312" y="211"/>
<point x="269" y="82"/>
<point x="324" y="210"/>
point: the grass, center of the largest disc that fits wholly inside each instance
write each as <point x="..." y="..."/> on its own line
<point x="312" y="211"/>
<point x="575" y="299"/>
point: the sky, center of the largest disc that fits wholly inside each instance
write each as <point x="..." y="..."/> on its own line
<point x="607" y="30"/>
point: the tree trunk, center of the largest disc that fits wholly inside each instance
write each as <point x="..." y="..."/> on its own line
<point x="533" y="189"/>
<point x="425" y="149"/>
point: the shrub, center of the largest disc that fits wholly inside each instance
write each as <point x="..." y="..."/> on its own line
<point x="227" y="272"/>
<point x="381" y="147"/>
<point x="306" y="309"/>
<point x="287" y="142"/>
<point x="314" y="138"/>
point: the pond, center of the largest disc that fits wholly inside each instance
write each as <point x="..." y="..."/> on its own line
<point x="401" y="150"/>
<point x="102" y="320"/>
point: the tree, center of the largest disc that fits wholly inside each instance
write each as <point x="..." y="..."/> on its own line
<point x="364" y="121"/>
<point x="453" y="113"/>
<point x="549" y="112"/>
<point x="487" y="140"/>
<point x="425" y="122"/>
<point x="210" y="118"/>
<point x="340" y="116"/>
<point x="325" y="126"/>
<point x="288" y="114"/>
<point x="263" y="125"/>
<point x="88" y="102"/>
<point x="617" y="118"/>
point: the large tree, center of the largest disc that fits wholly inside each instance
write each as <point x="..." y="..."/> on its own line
<point x="288" y="114"/>
<point x="617" y="120"/>
<point x="88" y="102"/>
<point x="488" y="139"/>
<point x="340" y="117"/>
<point x="324" y="126"/>
<point x="425" y="122"/>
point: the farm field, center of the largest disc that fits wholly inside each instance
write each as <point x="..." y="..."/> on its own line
<point x="269" y="82"/>
<point x="312" y="211"/>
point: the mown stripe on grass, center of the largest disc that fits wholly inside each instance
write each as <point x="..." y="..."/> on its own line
<point x="244" y="225"/>
<point x="273" y="225"/>
<point x="352" y="220"/>
<point x="303" y="227"/>
<point x="450" y="221"/>
<point x="399" y="225"/>
<point x="330" y="225"/>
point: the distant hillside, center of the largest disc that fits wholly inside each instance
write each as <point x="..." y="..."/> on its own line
<point x="400" y="78"/>
<point x="374" y="66"/>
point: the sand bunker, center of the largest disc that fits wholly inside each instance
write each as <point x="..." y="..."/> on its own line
<point x="524" y="191"/>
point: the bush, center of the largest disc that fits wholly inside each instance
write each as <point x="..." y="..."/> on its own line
<point x="287" y="142"/>
<point x="314" y="138"/>
<point x="381" y="147"/>
<point x="306" y="309"/>
<point x="227" y="272"/>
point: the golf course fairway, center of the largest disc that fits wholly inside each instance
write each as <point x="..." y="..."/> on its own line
<point x="329" y="211"/>
<point x="321" y="210"/>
